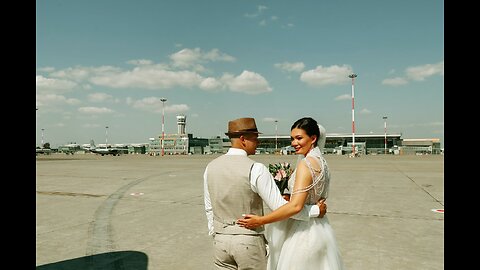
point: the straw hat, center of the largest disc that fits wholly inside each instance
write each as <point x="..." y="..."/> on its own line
<point x="241" y="126"/>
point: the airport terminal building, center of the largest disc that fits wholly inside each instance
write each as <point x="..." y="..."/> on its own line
<point x="366" y="144"/>
<point x="182" y="143"/>
<point x="340" y="144"/>
<point x="336" y="143"/>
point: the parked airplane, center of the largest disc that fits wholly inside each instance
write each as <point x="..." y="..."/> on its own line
<point x="45" y="151"/>
<point x="69" y="149"/>
<point x="106" y="150"/>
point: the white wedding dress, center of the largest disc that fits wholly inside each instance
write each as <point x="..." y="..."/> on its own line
<point x="304" y="245"/>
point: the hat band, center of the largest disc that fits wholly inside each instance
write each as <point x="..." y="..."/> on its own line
<point x="250" y="129"/>
<point x="245" y="130"/>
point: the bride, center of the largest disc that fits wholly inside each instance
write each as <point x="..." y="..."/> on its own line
<point x="297" y="244"/>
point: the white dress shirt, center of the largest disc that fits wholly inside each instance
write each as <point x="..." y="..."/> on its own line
<point x="262" y="183"/>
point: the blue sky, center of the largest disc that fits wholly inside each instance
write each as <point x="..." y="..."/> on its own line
<point x="107" y="63"/>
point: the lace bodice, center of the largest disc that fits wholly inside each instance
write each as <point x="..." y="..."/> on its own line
<point x="321" y="179"/>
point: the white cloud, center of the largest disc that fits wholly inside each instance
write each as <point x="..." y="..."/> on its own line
<point x="211" y="84"/>
<point x="261" y="8"/>
<point x="73" y="101"/>
<point x="140" y="62"/>
<point x="322" y="76"/>
<point x="248" y="82"/>
<point x="43" y="100"/>
<point x="154" y="104"/>
<point x="416" y="73"/>
<point x="49" y="85"/>
<point x="290" y="67"/>
<point x="216" y="55"/>
<point x="99" y="97"/>
<point x="149" y="77"/>
<point x="187" y="58"/>
<point x="251" y="15"/>
<point x="395" y="81"/>
<point x="94" y="110"/>
<point x="90" y="125"/>
<point x="46" y="69"/>
<point x="259" y="11"/>
<point x="419" y="73"/>
<point x="177" y="108"/>
<point x="80" y="73"/>
<point x="344" y="97"/>
<point x="46" y="99"/>
<point x="365" y="111"/>
<point x="150" y="104"/>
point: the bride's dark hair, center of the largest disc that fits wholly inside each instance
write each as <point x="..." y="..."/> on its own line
<point x="309" y="125"/>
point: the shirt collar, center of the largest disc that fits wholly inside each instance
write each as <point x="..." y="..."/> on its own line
<point x="236" y="151"/>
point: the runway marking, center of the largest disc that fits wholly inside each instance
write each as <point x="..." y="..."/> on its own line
<point x="438" y="210"/>
<point x="61" y="193"/>
<point x="100" y="231"/>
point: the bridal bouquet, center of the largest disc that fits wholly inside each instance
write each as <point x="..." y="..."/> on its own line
<point x="281" y="172"/>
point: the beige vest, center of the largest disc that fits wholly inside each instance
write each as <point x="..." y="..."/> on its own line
<point x="228" y="179"/>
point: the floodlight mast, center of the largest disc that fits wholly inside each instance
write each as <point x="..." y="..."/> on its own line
<point x="106" y="136"/>
<point x="276" y="136"/>
<point x="385" y="132"/>
<point x="353" y="76"/>
<point x="42" y="138"/>
<point x="163" y="124"/>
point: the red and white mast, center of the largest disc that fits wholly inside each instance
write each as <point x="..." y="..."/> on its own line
<point x="353" y="76"/>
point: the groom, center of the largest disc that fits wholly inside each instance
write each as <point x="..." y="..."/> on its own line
<point x="235" y="184"/>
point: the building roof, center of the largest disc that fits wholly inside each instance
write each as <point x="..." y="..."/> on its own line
<point x="334" y="135"/>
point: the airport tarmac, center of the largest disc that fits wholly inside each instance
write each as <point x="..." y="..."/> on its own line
<point x="143" y="212"/>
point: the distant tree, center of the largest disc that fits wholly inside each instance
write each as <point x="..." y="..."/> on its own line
<point x="46" y="145"/>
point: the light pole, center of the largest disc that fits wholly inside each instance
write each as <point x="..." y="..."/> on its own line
<point x="276" y="136"/>
<point x="353" y="76"/>
<point x="163" y="124"/>
<point x="385" y="132"/>
<point x="106" y="136"/>
<point x="42" y="138"/>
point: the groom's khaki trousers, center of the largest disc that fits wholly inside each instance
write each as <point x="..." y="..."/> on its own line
<point x="240" y="252"/>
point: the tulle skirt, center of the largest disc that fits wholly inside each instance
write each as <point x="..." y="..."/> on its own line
<point x="302" y="245"/>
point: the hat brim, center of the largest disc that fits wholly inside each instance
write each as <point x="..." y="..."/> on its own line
<point x="242" y="132"/>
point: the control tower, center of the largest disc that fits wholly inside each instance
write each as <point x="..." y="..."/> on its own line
<point x="181" y="121"/>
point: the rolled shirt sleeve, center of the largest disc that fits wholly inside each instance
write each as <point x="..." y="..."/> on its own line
<point x="208" y="204"/>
